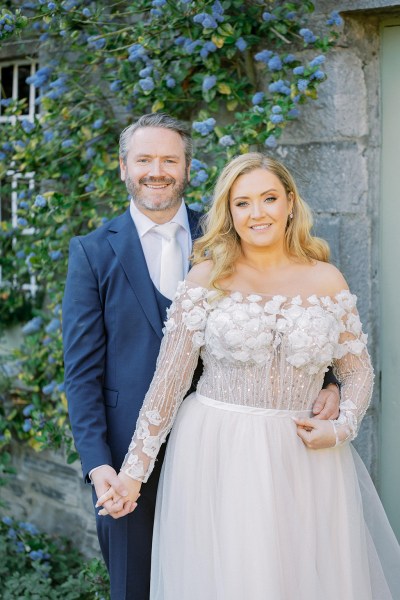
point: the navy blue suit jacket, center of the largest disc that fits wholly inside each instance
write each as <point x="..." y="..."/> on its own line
<point x="112" y="331"/>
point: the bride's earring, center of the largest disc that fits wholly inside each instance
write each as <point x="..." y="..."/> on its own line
<point x="291" y="216"/>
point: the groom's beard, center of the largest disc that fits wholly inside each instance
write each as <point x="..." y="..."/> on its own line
<point x="168" y="198"/>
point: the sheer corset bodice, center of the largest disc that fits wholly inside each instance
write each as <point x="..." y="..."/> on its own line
<point x="259" y="351"/>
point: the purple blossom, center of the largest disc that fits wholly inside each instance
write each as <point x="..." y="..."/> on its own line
<point x="205" y="20"/>
<point x="90" y="187"/>
<point x="95" y="42"/>
<point x="270" y="142"/>
<point x="263" y="56"/>
<point x="298" y="70"/>
<point x="204" y="127"/>
<point x="27" y="425"/>
<point x="158" y="3"/>
<point x="53" y="326"/>
<point x="98" y="123"/>
<point x="147" y="84"/>
<point x="29" y="527"/>
<point x="27" y="125"/>
<point x="2" y="156"/>
<point x="289" y="58"/>
<point x="136" y="51"/>
<point x="67" y="143"/>
<point x="33" y="326"/>
<point x="208" y="83"/>
<point x="22" y="222"/>
<point x="308" y="36"/>
<point x="155" y="12"/>
<point x="146" y="71"/>
<point x="49" y="388"/>
<point x="40" y="201"/>
<point x="24" y="205"/>
<point x="207" y="48"/>
<point x="226" y="141"/>
<point x="318" y="60"/>
<point x="276" y="119"/>
<point x="267" y="17"/>
<point x="197" y="164"/>
<point x="302" y="85"/>
<point x="241" y="44"/>
<point x="7" y="521"/>
<point x="258" y="98"/>
<point x="276" y="109"/>
<point x="275" y="63"/>
<point x="280" y="86"/>
<point x="55" y="255"/>
<point x="170" y="82"/>
<point x="116" y="85"/>
<point x="319" y="75"/>
<point x="27" y="410"/>
<point x="86" y="12"/>
<point x="335" y="19"/>
<point x="48" y="136"/>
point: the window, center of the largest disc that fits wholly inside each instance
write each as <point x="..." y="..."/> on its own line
<point x="15" y="186"/>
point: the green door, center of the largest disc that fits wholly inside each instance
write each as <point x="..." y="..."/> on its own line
<point x="390" y="275"/>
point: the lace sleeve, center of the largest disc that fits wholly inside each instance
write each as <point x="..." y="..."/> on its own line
<point x="352" y="367"/>
<point x="177" y="360"/>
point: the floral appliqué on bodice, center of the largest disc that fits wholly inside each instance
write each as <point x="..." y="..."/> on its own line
<point x="260" y="351"/>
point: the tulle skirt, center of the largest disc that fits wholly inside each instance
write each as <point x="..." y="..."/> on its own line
<point x="246" y="512"/>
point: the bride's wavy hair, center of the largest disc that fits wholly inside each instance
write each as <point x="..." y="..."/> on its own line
<point x="220" y="241"/>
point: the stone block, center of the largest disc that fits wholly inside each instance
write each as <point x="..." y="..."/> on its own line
<point x="332" y="177"/>
<point x="328" y="228"/>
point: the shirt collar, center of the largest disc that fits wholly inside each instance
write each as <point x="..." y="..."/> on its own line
<point x="143" y="223"/>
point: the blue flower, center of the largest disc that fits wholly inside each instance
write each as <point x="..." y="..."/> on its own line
<point x="49" y="388"/>
<point x="146" y="72"/>
<point x="116" y="85"/>
<point x="226" y="141"/>
<point x="136" y="51"/>
<point x="207" y="48"/>
<point x="319" y="75"/>
<point x="276" y="119"/>
<point x="263" y="56"/>
<point x="202" y="176"/>
<point x="90" y="153"/>
<point x="27" y="425"/>
<point x="147" y="84"/>
<point x="318" y="60"/>
<point x="276" y="110"/>
<point x="27" y="410"/>
<point x="7" y="521"/>
<point x="170" y="82"/>
<point x="5" y="102"/>
<point x="95" y="42"/>
<point x="270" y="142"/>
<point x="110" y="60"/>
<point x="2" y="155"/>
<point x="190" y="46"/>
<point x="33" y="326"/>
<point x="36" y="554"/>
<point x="335" y="19"/>
<point x="61" y="386"/>
<point x="302" y="85"/>
<point x="55" y="255"/>
<point x="158" y="3"/>
<point x="204" y="127"/>
<point x="90" y="187"/>
<point x="7" y="146"/>
<point x="180" y="40"/>
<point x="208" y="83"/>
<point x="29" y="527"/>
<point x="241" y="44"/>
<point x="280" y="86"/>
<point x="86" y="12"/>
<point x="218" y="11"/>
<point x="67" y="143"/>
<point x="20" y="546"/>
<point x="54" y="325"/>
<point x="289" y="58"/>
<point x="24" y="205"/>
<point x="19" y="144"/>
<point x="61" y="230"/>
<point x="20" y="254"/>
<point x="207" y="21"/>
<point x="12" y="534"/>
<point x="40" y="201"/>
<point x="22" y="222"/>
<point x="258" y="109"/>
<point x="197" y="164"/>
<point x="27" y="126"/>
<point x="156" y="12"/>
<point x="196" y="206"/>
<point x="258" y="98"/>
<point x="291" y="15"/>
<point x="98" y="123"/>
<point x="267" y="17"/>
<point x="308" y="36"/>
<point x="275" y="63"/>
<point x="48" y="136"/>
<point x="298" y="70"/>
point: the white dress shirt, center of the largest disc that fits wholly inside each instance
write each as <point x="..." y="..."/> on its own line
<point x="152" y="241"/>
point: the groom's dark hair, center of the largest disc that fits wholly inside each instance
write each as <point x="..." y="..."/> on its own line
<point x="157" y="120"/>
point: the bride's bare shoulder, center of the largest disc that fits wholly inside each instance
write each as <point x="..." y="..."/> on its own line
<point x="330" y="279"/>
<point x="200" y="273"/>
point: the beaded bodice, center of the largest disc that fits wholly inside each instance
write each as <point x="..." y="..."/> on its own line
<point x="260" y="351"/>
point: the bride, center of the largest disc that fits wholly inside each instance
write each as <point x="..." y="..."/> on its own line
<point x="257" y="499"/>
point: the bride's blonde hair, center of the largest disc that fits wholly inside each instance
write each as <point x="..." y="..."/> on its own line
<point x="220" y="241"/>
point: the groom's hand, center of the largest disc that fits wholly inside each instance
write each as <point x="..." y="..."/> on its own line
<point x="326" y="405"/>
<point x="103" y="479"/>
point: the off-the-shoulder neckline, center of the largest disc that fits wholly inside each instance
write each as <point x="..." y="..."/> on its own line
<point x="271" y="296"/>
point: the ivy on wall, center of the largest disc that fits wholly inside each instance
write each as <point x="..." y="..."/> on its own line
<point x="239" y="71"/>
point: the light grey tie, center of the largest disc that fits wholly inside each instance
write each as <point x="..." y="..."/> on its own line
<point x="171" y="267"/>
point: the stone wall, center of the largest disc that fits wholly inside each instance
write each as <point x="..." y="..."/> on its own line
<point x="334" y="153"/>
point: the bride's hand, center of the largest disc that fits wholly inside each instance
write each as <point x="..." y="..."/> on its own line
<point x="316" y="434"/>
<point x="129" y="502"/>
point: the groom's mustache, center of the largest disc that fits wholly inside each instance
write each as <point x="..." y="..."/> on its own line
<point x="165" y="180"/>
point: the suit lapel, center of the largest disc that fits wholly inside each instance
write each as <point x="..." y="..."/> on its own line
<point x="126" y="244"/>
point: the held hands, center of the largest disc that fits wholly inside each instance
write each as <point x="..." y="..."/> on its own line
<point x="318" y="432"/>
<point x="121" y="498"/>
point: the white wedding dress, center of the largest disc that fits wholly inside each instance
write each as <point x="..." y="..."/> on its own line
<point x="245" y="511"/>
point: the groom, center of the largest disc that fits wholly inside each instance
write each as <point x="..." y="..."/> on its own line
<point x="120" y="282"/>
